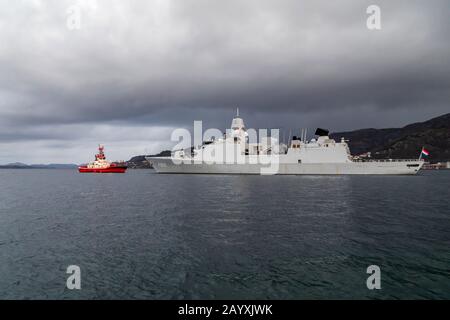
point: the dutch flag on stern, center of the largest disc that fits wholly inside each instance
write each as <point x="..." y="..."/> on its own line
<point x="425" y="152"/>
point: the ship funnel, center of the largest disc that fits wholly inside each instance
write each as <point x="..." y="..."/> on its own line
<point x="322" y="132"/>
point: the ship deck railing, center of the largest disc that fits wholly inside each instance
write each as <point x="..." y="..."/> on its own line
<point x="385" y="160"/>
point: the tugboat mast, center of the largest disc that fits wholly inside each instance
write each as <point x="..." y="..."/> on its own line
<point x="100" y="155"/>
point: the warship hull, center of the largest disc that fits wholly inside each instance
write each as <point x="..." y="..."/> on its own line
<point x="386" y="167"/>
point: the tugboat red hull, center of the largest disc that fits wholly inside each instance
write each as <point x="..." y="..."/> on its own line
<point x="84" y="169"/>
<point x="101" y="165"/>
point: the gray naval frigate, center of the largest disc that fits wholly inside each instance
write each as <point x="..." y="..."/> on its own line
<point x="235" y="153"/>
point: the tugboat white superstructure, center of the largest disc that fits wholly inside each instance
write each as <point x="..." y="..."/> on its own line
<point x="101" y="165"/>
<point x="234" y="154"/>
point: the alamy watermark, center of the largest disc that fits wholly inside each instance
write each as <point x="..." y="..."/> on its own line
<point x="237" y="146"/>
<point x="73" y="21"/>
<point x="74" y="280"/>
<point x="74" y="17"/>
<point x="374" y="280"/>
<point x="374" y="20"/>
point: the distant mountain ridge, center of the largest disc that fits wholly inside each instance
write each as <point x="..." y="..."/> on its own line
<point x="19" y="165"/>
<point x="139" y="162"/>
<point x="406" y="142"/>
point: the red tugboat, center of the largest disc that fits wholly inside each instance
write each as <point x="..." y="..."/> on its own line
<point x="101" y="165"/>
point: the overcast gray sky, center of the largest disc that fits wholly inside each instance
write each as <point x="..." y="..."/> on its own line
<point x="137" y="69"/>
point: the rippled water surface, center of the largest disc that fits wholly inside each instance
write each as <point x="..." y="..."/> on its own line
<point x="147" y="236"/>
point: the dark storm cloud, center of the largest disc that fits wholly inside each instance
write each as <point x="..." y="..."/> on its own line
<point x="162" y="63"/>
